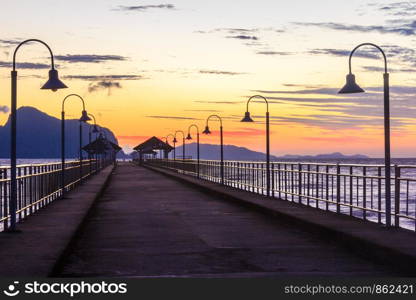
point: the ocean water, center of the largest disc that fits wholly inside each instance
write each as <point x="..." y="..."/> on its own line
<point x="29" y="161"/>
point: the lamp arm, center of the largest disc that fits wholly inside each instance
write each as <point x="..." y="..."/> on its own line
<point x="91" y="115"/>
<point x="193" y="125"/>
<point x="76" y="95"/>
<point x="261" y="97"/>
<point x="91" y="127"/>
<point x="28" y="41"/>
<point x="217" y="116"/>
<point x="368" y="44"/>
<point x="167" y="137"/>
<point x="183" y="134"/>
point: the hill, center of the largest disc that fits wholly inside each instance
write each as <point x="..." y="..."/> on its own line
<point x="39" y="135"/>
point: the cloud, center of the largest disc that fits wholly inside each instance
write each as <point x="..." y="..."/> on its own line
<point x="238" y="31"/>
<point x="171" y="117"/>
<point x="402" y="8"/>
<point x="320" y="91"/>
<point x="407" y="29"/>
<point x="104" y="77"/>
<point x="243" y="37"/>
<point x="364" y="53"/>
<point x="273" y="53"/>
<point x="248" y="36"/>
<point x="142" y="8"/>
<point x="89" y="58"/>
<point x="393" y="70"/>
<point x="218" y="102"/>
<point x="245" y="132"/>
<point x="331" y="111"/>
<point x="306" y="86"/>
<point x="103" y="85"/>
<point x="203" y="110"/>
<point x="4" y="109"/>
<point x="402" y="55"/>
<point x="217" y="72"/>
<point x="8" y="43"/>
<point x="25" y="65"/>
<point x="340" y="139"/>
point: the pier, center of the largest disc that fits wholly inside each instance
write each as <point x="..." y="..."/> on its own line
<point x="152" y="220"/>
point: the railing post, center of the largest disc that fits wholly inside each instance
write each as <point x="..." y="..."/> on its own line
<point x="272" y="178"/>
<point x="300" y="183"/>
<point x="5" y="199"/>
<point x="31" y="188"/>
<point x="396" y="195"/>
<point x="338" y="188"/>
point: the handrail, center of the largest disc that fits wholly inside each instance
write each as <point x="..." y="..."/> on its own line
<point x="346" y="188"/>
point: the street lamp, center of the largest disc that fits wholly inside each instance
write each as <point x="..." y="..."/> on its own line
<point x="247" y="118"/>
<point x="352" y="87"/>
<point x="174" y="144"/>
<point x="92" y="129"/>
<point x="189" y="137"/>
<point x="53" y="84"/>
<point x="84" y="118"/>
<point x="183" y="142"/>
<point x="207" y="131"/>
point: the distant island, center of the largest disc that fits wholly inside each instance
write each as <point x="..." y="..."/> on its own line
<point x="231" y="152"/>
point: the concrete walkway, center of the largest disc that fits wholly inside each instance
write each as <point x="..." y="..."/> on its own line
<point x="45" y="235"/>
<point x="146" y="224"/>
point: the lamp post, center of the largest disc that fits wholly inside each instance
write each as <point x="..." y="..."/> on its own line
<point x="53" y="84"/>
<point x="247" y="118"/>
<point x="207" y="131"/>
<point x="84" y="118"/>
<point x="163" y="153"/>
<point x="174" y="144"/>
<point x="352" y="87"/>
<point x="183" y="142"/>
<point x="189" y="137"/>
<point x="94" y="130"/>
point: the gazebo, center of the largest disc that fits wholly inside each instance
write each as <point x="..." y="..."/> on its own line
<point x="152" y="144"/>
<point x="102" y="146"/>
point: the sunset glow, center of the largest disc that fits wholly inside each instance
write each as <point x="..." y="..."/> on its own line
<point x="151" y="68"/>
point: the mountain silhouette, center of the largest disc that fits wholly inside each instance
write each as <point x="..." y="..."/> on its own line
<point x="231" y="152"/>
<point x="39" y="135"/>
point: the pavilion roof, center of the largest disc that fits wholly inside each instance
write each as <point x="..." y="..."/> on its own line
<point x="153" y="144"/>
<point x="101" y="145"/>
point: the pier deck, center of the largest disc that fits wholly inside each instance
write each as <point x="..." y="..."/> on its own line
<point x="147" y="224"/>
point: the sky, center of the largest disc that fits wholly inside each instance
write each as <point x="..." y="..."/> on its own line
<point x="150" y="68"/>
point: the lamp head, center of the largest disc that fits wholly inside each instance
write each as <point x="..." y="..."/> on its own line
<point x="189" y="137"/>
<point x="247" y="117"/>
<point x="351" y="86"/>
<point x="206" y="131"/>
<point x="53" y="83"/>
<point x="95" y="129"/>
<point x="84" y="117"/>
<point x="175" y="140"/>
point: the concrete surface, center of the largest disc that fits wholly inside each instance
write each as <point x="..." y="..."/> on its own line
<point x="149" y="225"/>
<point x="46" y="234"/>
<point x="393" y="246"/>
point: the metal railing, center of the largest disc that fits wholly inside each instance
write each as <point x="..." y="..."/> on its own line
<point x="40" y="184"/>
<point x="353" y="189"/>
